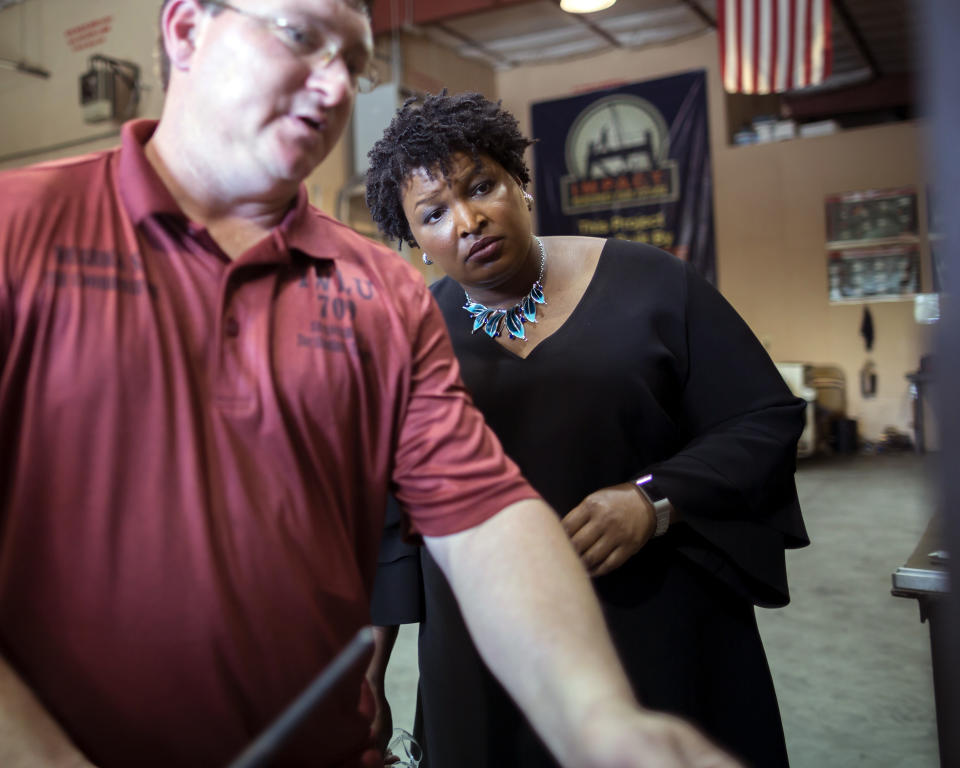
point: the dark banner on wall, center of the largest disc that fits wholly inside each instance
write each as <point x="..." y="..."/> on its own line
<point x="631" y="162"/>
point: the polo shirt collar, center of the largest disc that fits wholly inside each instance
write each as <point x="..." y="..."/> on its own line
<point x="144" y="195"/>
<point x="143" y="192"/>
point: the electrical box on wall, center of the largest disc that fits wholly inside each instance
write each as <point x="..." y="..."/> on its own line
<point x="109" y="89"/>
<point x="372" y="113"/>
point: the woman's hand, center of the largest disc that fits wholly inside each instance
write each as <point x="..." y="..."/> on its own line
<point x="610" y="526"/>
<point x="382" y="726"/>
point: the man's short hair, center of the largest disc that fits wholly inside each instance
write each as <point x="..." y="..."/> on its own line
<point x="163" y="61"/>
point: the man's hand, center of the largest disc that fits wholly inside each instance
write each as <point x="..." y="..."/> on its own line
<point x="609" y="527"/>
<point x="29" y="736"/>
<point x="636" y="739"/>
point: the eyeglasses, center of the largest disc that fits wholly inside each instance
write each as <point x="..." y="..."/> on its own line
<point x="305" y="41"/>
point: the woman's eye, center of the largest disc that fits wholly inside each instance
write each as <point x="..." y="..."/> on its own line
<point x="482" y="188"/>
<point x="433" y="216"/>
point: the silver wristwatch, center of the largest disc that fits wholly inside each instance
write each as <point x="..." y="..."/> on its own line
<point x="660" y="503"/>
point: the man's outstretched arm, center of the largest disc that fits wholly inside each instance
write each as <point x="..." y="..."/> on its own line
<point x="533" y="615"/>
<point x="29" y="736"/>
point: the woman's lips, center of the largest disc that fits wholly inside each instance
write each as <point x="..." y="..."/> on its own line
<point x="486" y="248"/>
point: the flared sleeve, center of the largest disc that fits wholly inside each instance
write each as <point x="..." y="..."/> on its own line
<point x="733" y="479"/>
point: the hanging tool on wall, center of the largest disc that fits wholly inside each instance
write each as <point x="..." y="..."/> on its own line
<point x="866" y="328"/>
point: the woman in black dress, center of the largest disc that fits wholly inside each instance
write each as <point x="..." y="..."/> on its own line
<point x="642" y="408"/>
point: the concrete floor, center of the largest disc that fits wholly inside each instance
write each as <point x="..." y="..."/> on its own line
<point x="851" y="663"/>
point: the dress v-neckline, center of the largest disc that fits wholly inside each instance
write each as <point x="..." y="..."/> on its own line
<point x="564" y="326"/>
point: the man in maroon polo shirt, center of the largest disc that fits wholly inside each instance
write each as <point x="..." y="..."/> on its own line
<point x="206" y="389"/>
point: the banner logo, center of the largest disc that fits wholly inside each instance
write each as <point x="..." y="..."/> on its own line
<point x="617" y="156"/>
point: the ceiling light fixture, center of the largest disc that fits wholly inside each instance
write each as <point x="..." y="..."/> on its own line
<point x="585" y="6"/>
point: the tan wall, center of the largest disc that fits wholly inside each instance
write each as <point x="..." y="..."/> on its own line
<point x="42" y="119"/>
<point x="769" y="210"/>
<point x="41" y="114"/>
<point x="430" y="68"/>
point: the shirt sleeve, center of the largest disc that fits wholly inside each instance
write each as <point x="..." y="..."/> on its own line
<point x="733" y="481"/>
<point x="398" y="585"/>
<point x="450" y="471"/>
<point x="6" y="296"/>
<point x="6" y="320"/>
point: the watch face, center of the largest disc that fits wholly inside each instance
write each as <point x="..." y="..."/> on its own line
<point x="649" y="488"/>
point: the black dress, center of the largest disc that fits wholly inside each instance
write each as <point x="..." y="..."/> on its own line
<point x="652" y="372"/>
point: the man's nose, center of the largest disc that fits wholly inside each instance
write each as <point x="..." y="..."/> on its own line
<point x="331" y="76"/>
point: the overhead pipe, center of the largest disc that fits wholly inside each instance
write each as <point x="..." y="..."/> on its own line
<point x="24" y="68"/>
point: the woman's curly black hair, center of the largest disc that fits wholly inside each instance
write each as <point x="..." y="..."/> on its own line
<point x="424" y="134"/>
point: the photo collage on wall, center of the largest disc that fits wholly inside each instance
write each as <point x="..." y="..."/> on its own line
<point x="873" y="250"/>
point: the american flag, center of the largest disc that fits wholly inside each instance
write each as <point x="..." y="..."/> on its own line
<point x="771" y="46"/>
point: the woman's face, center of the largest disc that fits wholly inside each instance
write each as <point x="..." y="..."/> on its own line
<point x="474" y="224"/>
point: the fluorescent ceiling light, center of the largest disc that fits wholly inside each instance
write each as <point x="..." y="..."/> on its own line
<point x="585" y="6"/>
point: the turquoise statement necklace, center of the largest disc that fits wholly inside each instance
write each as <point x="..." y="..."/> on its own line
<point x="524" y="311"/>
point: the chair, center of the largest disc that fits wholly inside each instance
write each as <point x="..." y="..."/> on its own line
<point x="795" y="375"/>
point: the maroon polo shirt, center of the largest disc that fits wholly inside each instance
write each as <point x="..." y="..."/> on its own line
<point x="194" y="459"/>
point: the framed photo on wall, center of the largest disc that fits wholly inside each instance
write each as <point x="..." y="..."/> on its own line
<point x="871" y="215"/>
<point x="877" y="273"/>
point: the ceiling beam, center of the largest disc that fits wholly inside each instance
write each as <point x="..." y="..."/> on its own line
<point x="853" y="29"/>
<point x="595" y="28"/>
<point x="387" y="15"/>
<point x="467" y="40"/>
<point x="694" y="6"/>
<point x="890" y="92"/>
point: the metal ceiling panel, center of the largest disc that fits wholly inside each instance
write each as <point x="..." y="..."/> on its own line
<point x="871" y="38"/>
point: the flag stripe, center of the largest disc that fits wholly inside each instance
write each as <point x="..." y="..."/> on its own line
<point x="738" y="14"/>
<point x="746" y="40"/>
<point x="764" y="41"/>
<point x="722" y="42"/>
<point x="783" y="44"/>
<point x="731" y="52"/>
<point x="770" y="46"/>
<point x="800" y="45"/>
<point x="827" y="40"/>
<point x="774" y="44"/>
<point x="816" y="44"/>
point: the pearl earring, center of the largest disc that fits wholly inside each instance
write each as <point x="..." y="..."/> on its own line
<point x="426" y="259"/>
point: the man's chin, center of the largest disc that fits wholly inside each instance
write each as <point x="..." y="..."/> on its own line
<point x="295" y="167"/>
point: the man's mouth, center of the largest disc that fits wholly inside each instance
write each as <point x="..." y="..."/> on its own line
<point x="313" y="123"/>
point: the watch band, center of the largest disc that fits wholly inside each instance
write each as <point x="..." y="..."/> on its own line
<point x="660" y="503"/>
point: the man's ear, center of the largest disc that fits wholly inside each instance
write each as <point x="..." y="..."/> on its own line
<point x="179" y="24"/>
